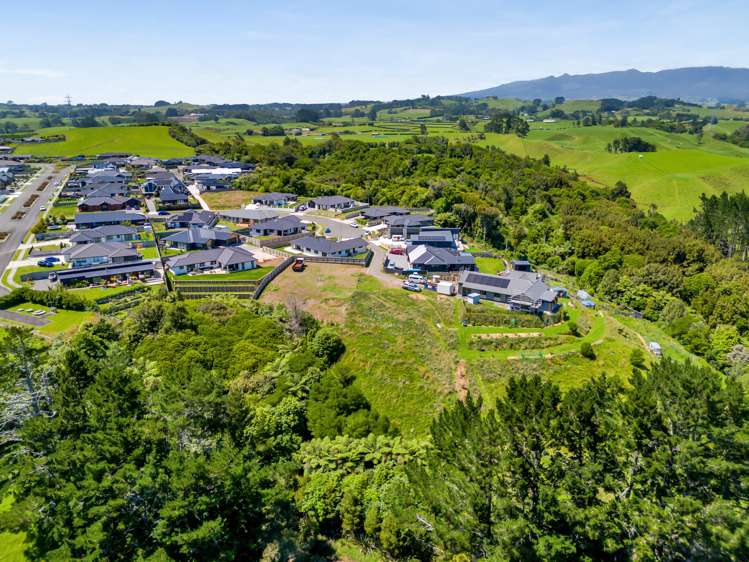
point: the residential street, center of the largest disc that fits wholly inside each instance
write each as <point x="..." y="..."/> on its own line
<point x="18" y="229"/>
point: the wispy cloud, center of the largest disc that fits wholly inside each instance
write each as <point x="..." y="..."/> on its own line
<point x="36" y="72"/>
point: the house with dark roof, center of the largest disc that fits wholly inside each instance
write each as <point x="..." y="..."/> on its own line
<point x="330" y="202"/>
<point x="109" y="233"/>
<point x="197" y="238"/>
<point x="324" y="247"/>
<point x="190" y="219"/>
<point x="105" y="190"/>
<point x="434" y="259"/>
<point x="406" y="225"/>
<point x="116" y="203"/>
<point x="92" y="220"/>
<point x="248" y="216"/>
<point x="172" y="198"/>
<point x="519" y="290"/>
<point x="379" y="213"/>
<point x="227" y="260"/>
<point x="436" y="237"/>
<point x="105" y="272"/>
<point x="98" y="253"/>
<point x="274" y="199"/>
<point x="143" y="163"/>
<point x="282" y="226"/>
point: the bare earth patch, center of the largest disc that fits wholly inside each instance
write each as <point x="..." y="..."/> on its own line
<point x="461" y="380"/>
<point x="508" y="335"/>
<point x="324" y="290"/>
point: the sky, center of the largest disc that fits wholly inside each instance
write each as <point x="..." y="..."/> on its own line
<point x="233" y="51"/>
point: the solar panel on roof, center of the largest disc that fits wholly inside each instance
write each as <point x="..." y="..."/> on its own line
<point x="487" y="280"/>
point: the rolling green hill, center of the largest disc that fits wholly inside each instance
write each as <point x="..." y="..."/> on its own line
<point x="671" y="178"/>
<point x="151" y="141"/>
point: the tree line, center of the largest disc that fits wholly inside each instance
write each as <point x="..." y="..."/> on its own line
<point x="220" y="430"/>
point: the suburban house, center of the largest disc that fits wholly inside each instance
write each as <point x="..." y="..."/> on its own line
<point x="105" y="190"/>
<point x="92" y="220"/>
<point x="143" y="163"/>
<point x="6" y="178"/>
<point x="98" y="253"/>
<point x="224" y="259"/>
<point x="116" y="203"/>
<point x="318" y="246"/>
<point x="158" y="180"/>
<point x="110" y="233"/>
<point x="170" y="197"/>
<point x="274" y="199"/>
<point x="406" y="225"/>
<point x="107" y="272"/>
<point x="328" y="202"/>
<point x="248" y="216"/>
<point x="283" y="226"/>
<point x="191" y="219"/>
<point x="197" y="238"/>
<point x="520" y="290"/>
<point x="378" y="213"/>
<point x="437" y="259"/>
<point x="436" y="237"/>
<point x="13" y="166"/>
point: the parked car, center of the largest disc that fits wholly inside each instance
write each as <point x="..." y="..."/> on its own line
<point x="53" y="259"/>
<point x="298" y="265"/>
<point x="397" y="251"/>
<point x="162" y="213"/>
<point x="300" y="208"/>
<point x="45" y="263"/>
<point x="408" y="286"/>
<point x="43" y="208"/>
<point x="416" y="278"/>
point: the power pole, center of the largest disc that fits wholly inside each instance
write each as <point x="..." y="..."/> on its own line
<point x="68" y="100"/>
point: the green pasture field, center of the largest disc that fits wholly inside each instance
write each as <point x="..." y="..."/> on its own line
<point x="671" y="178"/>
<point x="153" y="141"/>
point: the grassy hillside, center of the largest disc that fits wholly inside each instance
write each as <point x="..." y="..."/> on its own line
<point x="151" y="141"/>
<point x="671" y="178"/>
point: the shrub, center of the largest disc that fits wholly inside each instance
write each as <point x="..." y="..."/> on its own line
<point x="637" y="358"/>
<point x="586" y="350"/>
<point x="573" y="328"/>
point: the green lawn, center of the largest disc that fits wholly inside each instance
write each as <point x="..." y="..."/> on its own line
<point x="151" y="141"/>
<point x="94" y="293"/>
<point x="490" y="265"/>
<point x="61" y="322"/>
<point x="249" y="275"/>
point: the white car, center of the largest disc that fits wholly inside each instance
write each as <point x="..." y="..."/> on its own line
<point x="43" y="208"/>
<point x="416" y="278"/>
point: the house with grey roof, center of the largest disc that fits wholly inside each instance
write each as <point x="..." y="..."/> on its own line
<point x="248" y="216"/>
<point x="406" y="225"/>
<point x="92" y="220"/>
<point x="190" y="219"/>
<point x="173" y="198"/>
<point x="520" y="290"/>
<point x="331" y="202"/>
<point x="196" y="238"/>
<point x="226" y="260"/>
<point x="98" y="253"/>
<point x="435" y="237"/>
<point x="274" y="199"/>
<point x="106" y="203"/>
<point x="108" y="233"/>
<point x="324" y="247"/>
<point x="378" y="213"/>
<point x="282" y="226"/>
<point x="435" y="259"/>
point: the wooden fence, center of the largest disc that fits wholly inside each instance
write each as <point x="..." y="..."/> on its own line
<point x="265" y="281"/>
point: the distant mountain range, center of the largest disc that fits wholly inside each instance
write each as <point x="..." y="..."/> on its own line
<point x="690" y="84"/>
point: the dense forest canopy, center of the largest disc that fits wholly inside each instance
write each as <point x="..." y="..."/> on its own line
<point x="176" y="436"/>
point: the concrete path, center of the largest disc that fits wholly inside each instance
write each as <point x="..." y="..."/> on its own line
<point x="23" y="318"/>
<point x="195" y="192"/>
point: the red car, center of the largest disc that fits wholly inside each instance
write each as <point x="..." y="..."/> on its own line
<point x="397" y="251"/>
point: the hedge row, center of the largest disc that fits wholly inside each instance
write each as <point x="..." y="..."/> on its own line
<point x="57" y="298"/>
<point x="521" y="344"/>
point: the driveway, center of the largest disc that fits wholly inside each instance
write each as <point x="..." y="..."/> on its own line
<point x="195" y="192"/>
<point x="18" y="229"/>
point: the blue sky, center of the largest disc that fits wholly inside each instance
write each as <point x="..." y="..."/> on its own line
<point x="215" y="51"/>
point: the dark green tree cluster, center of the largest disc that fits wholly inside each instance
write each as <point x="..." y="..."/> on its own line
<point x="506" y="123"/>
<point x="185" y="135"/>
<point x="629" y="144"/>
